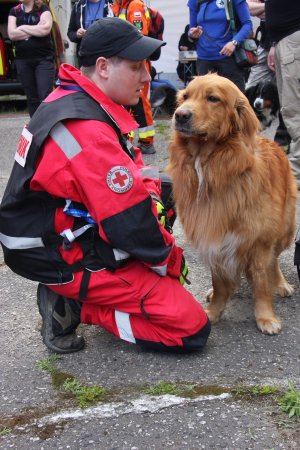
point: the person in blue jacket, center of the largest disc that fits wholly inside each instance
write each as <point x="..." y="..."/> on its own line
<point x="215" y="42"/>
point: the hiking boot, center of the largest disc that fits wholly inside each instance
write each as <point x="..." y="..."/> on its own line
<point x="146" y="148"/>
<point x="61" y="316"/>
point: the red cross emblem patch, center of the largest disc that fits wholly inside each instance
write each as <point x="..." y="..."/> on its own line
<point x="119" y="179"/>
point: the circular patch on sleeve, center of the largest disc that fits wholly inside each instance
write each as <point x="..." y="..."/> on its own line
<point x="119" y="179"/>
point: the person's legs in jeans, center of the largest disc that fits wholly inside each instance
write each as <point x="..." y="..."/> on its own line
<point x="225" y="67"/>
<point x="44" y="76"/>
<point x="26" y="74"/>
<point x="228" y="68"/>
<point x="205" y="66"/>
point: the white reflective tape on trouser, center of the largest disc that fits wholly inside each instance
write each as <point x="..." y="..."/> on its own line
<point x="124" y="326"/>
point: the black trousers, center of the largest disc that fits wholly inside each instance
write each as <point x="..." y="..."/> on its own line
<point x="226" y="67"/>
<point x="37" y="79"/>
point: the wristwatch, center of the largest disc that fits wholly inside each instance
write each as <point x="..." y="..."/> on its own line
<point x="234" y="42"/>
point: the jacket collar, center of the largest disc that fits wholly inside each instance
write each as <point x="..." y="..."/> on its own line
<point x="70" y="75"/>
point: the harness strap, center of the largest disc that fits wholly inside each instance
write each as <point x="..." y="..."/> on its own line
<point x="84" y="285"/>
<point x="70" y="236"/>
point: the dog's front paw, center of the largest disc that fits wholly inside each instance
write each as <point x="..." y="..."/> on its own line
<point x="213" y="314"/>
<point x="269" y="326"/>
<point x="285" y="289"/>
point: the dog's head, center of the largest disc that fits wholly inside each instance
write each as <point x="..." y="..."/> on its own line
<point x="212" y="108"/>
<point x="264" y="99"/>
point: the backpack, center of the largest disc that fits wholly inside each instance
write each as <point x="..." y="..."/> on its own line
<point x="156" y="29"/>
<point x="157" y="24"/>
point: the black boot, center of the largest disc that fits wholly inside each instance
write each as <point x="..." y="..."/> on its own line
<point x="61" y="316"/>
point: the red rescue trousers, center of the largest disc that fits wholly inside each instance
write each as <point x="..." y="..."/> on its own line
<point x="139" y="306"/>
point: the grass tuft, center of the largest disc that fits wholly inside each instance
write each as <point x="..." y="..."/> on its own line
<point x="48" y="364"/>
<point x="162" y="388"/>
<point x="85" y="395"/>
<point x="290" y="401"/>
<point x="5" y="431"/>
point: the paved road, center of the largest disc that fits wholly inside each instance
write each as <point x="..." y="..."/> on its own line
<point x="211" y="410"/>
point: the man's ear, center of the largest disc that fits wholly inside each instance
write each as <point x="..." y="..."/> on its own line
<point x="102" y="65"/>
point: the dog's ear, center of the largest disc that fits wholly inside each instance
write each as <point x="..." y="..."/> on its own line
<point x="246" y="121"/>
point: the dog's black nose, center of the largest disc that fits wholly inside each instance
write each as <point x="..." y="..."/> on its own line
<point x="182" y="116"/>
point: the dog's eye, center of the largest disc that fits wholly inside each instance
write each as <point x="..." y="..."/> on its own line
<point x="185" y="96"/>
<point x="212" y="99"/>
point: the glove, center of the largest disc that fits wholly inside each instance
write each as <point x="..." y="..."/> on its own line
<point x="184" y="272"/>
<point x="162" y="213"/>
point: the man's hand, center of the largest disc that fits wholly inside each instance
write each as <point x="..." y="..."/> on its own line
<point x="271" y="59"/>
<point x="80" y="33"/>
<point x="195" y="32"/>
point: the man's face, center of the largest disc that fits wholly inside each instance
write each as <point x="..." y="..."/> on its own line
<point x="125" y="81"/>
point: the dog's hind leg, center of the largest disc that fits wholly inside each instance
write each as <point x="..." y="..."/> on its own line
<point x="261" y="277"/>
<point x="283" y="288"/>
<point x="218" y="296"/>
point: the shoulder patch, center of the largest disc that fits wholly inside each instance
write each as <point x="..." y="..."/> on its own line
<point x="23" y="147"/>
<point x="119" y="179"/>
<point x="138" y="24"/>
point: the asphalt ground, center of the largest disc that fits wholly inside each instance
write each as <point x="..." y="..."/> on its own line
<point x="218" y="401"/>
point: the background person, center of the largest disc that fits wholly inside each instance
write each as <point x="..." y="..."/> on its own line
<point x="261" y="71"/>
<point x="84" y="13"/>
<point x="186" y="43"/>
<point x="29" y="26"/>
<point x="215" y="41"/>
<point x="135" y="12"/>
<point x="111" y="252"/>
<point x="283" y="26"/>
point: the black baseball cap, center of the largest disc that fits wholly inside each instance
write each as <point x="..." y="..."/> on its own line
<point x="112" y="36"/>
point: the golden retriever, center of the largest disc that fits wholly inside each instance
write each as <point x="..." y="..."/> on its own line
<point x="235" y="194"/>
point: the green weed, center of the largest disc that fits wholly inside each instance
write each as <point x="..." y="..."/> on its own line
<point x="5" y="431"/>
<point x="163" y="128"/>
<point x="290" y="401"/>
<point x="263" y="390"/>
<point x="85" y="395"/>
<point x="48" y="364"/>
<point x="255" y="391"/>
<point x="162" y="388"/>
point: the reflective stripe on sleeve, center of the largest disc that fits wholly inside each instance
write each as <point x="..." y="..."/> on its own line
<point x="65" y="140"/>
<point x="161" y="270"/>
<point x="124" y="326"/>
<point x="150" y="172"/>
<point x="20" y="243"/>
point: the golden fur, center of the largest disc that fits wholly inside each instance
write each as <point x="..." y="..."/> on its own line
<point x="235" y="194"/>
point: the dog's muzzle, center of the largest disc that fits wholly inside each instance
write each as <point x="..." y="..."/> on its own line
<point x="258" y="104"/>
<point x="183" y="119"/>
